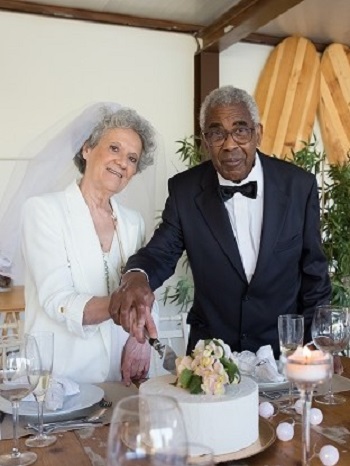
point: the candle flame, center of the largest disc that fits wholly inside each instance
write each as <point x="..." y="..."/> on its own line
<point x="306" y="352"/>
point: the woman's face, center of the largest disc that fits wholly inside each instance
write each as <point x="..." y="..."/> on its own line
<point x="112" y="163"/>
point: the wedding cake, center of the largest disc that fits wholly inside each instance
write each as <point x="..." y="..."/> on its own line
<point x="226" y="423"/>
<point x="220" y="408"/>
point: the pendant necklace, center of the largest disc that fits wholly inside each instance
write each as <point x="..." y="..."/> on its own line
<point x="121" y="252"/>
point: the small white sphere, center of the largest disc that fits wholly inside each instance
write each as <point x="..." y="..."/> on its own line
<point x="298" y="406"/>
<point x="266" y="409"/>
<point x="285" y="431"/>
<point x="329" y="455"/>
<point x="316" y="416"/>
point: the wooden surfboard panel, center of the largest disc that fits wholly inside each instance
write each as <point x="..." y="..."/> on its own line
<point x="287" y="95"/>
<point x="334" y="108"/>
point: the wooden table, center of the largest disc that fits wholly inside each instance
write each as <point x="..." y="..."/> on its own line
<point x="11" y="304"/>
<point x="88" y="447"/>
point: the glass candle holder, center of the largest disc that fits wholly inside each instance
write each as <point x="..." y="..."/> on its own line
<point x="307" y="369"/>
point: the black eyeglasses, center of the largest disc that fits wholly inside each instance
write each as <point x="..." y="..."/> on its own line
<point x="216" y="137"/>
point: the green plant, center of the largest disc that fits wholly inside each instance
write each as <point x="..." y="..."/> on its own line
<point x="334" y="192"/>
<point x="190" y="151"/>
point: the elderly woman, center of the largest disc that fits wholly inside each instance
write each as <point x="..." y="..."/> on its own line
<point x="75" y="244"/>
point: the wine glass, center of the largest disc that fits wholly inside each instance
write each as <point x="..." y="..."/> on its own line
<point x="45" y="341"/>
<point x="19" y="360"/>
<point x="199" y="455"/>
<point x="147" y="430"/>
<point x="291" y="335"/>
<point x="331" y="333"/>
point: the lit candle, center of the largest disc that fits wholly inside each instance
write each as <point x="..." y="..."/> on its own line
<point x="308" y="366"/>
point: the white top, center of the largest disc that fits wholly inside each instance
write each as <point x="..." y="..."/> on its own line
<point x="246" y="216"/>
<point x="64" y="270"/>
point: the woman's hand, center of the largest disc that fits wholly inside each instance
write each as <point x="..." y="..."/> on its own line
<point x="135" y="362"/>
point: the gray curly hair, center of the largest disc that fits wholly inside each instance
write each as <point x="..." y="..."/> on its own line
<point x="228" y="95"/>
<point x="122" y="118"/>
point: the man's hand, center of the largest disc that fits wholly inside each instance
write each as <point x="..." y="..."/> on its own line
<point x="130" y="306"/>
<point x="135" y="361"/>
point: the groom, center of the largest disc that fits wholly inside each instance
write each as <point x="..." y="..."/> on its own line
<point x="250" y="226"/>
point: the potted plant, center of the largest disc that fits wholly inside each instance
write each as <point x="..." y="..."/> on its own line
<point x="334" y="190"/>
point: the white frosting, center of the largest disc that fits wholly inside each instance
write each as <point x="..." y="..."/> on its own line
<point x="226" y="423"/>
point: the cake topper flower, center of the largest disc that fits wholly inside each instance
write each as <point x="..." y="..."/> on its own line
<point x="208" y="370"/>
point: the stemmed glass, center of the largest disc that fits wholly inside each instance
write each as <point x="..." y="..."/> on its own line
<point x="199" y="455"/>
<point x="331" y="333"/>
<point x="291" y="335"/>
<point x="147" y="430"/>
<point x="45" y="341"/>
<point x="19" y="360"/>
<point x="306" y="369"/>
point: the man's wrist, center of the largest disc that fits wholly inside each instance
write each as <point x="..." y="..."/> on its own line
<point x="137" y="270"/>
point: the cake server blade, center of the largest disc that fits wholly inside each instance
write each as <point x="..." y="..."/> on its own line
<point x="166" y="353"/>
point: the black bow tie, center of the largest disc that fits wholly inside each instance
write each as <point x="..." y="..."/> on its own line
<point x="249" y="190"/>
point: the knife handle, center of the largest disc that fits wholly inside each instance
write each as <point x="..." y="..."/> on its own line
<point x="156" y="344"/>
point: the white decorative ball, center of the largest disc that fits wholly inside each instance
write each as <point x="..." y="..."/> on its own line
<point x="316" y="416"/>
<point x="266" y="409"/>
<point x="329" y="455"/>
<point x="298" y="406"/>
<point x="285" y="431"/>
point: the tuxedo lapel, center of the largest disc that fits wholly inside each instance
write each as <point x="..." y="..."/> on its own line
<point x="216" y="217"/>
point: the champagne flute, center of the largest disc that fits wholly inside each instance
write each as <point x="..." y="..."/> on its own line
<point x="45" y="341"/>
<point x="331" y="333"/>
<point x="19" y="359"/>
<point x="291" y="335"/>
<point x="147" y="430"/>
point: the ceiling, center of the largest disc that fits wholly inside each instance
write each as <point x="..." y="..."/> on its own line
<point x="216" y="23"/>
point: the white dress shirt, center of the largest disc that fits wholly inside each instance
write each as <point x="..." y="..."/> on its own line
<point x="246" y="218"/>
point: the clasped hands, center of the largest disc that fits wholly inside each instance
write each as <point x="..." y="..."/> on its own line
<point x="130" y="306"/>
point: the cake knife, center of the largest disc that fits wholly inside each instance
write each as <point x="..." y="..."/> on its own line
<point x="166" y="353"/>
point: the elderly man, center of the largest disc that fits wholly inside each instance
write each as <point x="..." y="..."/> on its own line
<point x="251" y="229"/>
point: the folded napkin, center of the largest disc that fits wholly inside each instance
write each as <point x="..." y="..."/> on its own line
<point x="261" y="366"/>
<point x="59" y="388"/>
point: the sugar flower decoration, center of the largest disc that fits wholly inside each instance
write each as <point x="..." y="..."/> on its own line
<point x="208" y="370"/>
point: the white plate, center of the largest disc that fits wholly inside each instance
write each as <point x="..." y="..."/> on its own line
<point x="273" y="385"/>
<point x="87" y="397"/>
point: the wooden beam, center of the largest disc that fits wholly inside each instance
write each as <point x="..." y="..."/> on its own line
<point x="97" y="16"/>
<point x="241" y="20"/>
<point x="264" y="39"/>
<point x="206" y="78"/>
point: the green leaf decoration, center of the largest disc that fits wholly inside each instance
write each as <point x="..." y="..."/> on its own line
<point x="231" y="369"/>
<point x="185" y="378"/>
<point x="195" y="385"/>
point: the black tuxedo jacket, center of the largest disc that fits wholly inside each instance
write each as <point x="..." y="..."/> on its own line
<point x="291" y="274"/>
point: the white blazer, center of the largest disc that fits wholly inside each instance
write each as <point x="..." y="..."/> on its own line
<point x="64" y="269"/>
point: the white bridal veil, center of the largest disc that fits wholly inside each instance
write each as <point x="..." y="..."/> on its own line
<point x="50" y="168"/>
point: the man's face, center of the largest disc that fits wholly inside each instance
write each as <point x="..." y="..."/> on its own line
<point x="233" y="160"/>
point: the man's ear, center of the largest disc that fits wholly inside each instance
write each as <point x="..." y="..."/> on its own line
<point x="259" y="134"/>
